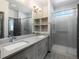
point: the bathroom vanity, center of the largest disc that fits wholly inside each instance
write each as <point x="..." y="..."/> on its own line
<point x="35" y="47"/>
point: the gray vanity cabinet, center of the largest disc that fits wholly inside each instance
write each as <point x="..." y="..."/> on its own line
<point x="27" y="53"/>
<point x="41" y="49"/>
<point x="44" y="47"/>
<point x="30" y="53"/>
<point x="36" y="51"/>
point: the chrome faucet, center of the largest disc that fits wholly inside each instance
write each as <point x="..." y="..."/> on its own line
<point x="12" y="38"/>
<point x="37" y="34"/>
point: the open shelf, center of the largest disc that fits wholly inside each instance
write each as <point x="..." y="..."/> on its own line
<point x="36" y="28"/>
<point x="36" y="21"/>
<point x="44" y="21"/>
<point x="44" y="28"/>
<point x="40" y="25"/>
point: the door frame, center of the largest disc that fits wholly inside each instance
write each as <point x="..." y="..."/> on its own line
<point x="2" y="25"/>
<point x="78" y="32"/>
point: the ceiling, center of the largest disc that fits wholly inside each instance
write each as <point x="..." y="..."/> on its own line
<point x="26" y="5"/>
<point x="61" y="3"/>
<point x="18" y="6"/>
<point x="41" y="3"/>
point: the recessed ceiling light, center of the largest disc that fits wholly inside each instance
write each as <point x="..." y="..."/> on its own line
<point x="59" y="1"/>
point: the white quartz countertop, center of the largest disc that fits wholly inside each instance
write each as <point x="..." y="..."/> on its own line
<point x="30" y="41"/>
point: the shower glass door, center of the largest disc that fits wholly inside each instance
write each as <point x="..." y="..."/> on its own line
<point x="65" y="43"/>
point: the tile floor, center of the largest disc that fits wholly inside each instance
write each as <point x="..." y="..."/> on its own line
<point x="49" y="56"/>
<point x="62" y="55"/>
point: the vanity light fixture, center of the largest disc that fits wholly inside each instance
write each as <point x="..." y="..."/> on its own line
<point x="36" y="9"/>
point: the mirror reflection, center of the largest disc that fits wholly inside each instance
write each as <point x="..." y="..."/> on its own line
<point x="19" y="20"/>
<point x="19" y="26"/>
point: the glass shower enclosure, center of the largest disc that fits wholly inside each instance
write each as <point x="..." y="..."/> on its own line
<point x="65" y="34"/>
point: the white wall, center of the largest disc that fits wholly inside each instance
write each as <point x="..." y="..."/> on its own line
<point x="45" y="11"/>
<point x="21" y="15"/>
<point x="10" y="12"/>
<point x="13" y="13"/>
<point x="4" y="8"/>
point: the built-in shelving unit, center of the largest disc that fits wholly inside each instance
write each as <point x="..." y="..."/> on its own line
<point x="36" y="27"/>
<point x="40" y="25"/>
<point x="36" y="21"/>
<point x="44" y="28"/>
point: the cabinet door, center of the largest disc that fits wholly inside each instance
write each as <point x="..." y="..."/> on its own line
<point x="39" y="50"/>
<point x="29" y="56"/>
<point x="30" y="53"/>
<point x="42" y="49"/>
<point x="36" y="51"/>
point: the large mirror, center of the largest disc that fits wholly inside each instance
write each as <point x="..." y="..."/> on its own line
<point x="19" y="20"/>
<point x="19" y="26"/>
<point x="19" y="17"/>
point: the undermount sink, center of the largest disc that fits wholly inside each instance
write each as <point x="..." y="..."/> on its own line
<point x="14" y="46"/>
<point x="9" y="49"/>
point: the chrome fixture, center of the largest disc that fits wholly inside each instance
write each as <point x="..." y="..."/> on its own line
<point x="12" y="38"/>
